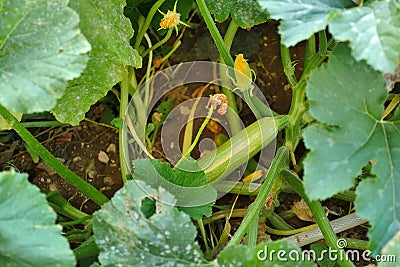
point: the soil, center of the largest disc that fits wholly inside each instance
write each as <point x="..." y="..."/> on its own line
<point x="79" y="147"/>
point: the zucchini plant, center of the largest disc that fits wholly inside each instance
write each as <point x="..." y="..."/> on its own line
<point x="63" y="56"/>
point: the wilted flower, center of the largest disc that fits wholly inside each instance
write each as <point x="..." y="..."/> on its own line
<point x="218" y="100"/>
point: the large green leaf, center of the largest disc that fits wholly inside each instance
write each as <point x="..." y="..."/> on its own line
<point x="28" y="235"/>
<point x="348" y="96"/>
<point x="246" y="13"/>
<point x="372" y="29"/>
<point x="265" y="254"/>
<point x="126" y="237"/>
<point x="373" y="32"/>
<point x="156" y="173"/>
<point x="109" y="32"/>
<point x="41" y="48"/>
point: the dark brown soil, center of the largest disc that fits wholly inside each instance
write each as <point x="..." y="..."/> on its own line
<point x="78" y="148"/>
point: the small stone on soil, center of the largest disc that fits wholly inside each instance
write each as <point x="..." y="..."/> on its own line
<point x="103" y="157"/>
<point x="111" y="148"/>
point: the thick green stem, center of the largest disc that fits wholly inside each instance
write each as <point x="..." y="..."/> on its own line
<point x="147" y="22"/>
<point x="69" y="176"/>
<point x="223" y="50"/>
<point x="298" y="105"/>
<point x="318" y="211"/>
<point x="280" y="162"/>
<point x="252" y="232"/>
<point x="288" y="66"/>
<point x="63" y="207"/>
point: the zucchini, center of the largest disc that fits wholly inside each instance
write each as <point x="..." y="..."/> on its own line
<point x="241" y="147"/>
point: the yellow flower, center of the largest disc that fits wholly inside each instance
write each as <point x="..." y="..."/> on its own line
<point x="171" y="19"/>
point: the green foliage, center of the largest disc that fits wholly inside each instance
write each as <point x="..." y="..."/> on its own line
<point x="156" y="173"/>
<point x="41" y="48"/>
<point x="245" y="13"/>
<point x="391" y="249"/>
<point x="108" y="31"/>
<point x="28" y="234"/>
<point x="136" y="8"/>
<point x="127" y="237"/>
<point x="372" y="29"/>
<point x="348" y="97"/>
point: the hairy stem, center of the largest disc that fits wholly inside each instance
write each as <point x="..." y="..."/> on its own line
<point x="280" y="162"/>
<point x="318" y="212"/>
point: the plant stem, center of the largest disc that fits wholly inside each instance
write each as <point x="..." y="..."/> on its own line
<point x="63" y="207"/>
<point x="290" y="232"/>
<point x="125" y="86"/>
<point x="318" y="212"/>
<point x="160" y="43"/>
<point x="204" y="235"/>
<point x="44" y="124"/>
<point x="280" y="162"/>
<point x="148" y="71"/>
<point x="353" y="243"/>
<point x="223" y="46"/>
<point x="69" y="176"/>
<point x="288" y="66"/>
<point x="298" y="105"/>
<point x="223" y="50"/>
<point x="252" y="232"/>
<point x="228" y="40"/>
<point x="199" y="132"/>
<point x="147" y="22"/>
<point x="278" y="222"/>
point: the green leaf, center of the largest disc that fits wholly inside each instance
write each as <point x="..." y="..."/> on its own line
<point x="391" y="249"/>
<point x="156" y="173"/>
<point x="41" y="48"/>
<point x="109" y="32"/>
<point x="372" y="29"/>
<point x="302" y="18"/>
<point x="126" y="237"/>
<point x="372" y="32"/>
<point x="245" y="13"/>
<point x="265" y="254"/>
<point x="28" y="234"/>
<point x="348" y="96"/>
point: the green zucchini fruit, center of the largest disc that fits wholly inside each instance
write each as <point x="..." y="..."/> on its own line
<point x="241" y="147"/>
